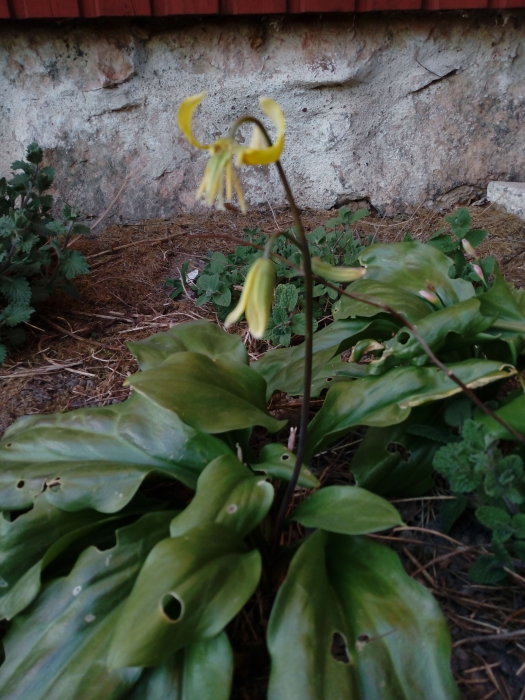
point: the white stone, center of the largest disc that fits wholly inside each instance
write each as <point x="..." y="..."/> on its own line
<point x="510" y="196"/>
<point x="395" y="109"/>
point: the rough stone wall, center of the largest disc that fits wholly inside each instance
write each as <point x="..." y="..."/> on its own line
<point x="401" y="109"/>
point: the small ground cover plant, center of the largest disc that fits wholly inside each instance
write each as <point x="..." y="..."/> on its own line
<point x="138" y="539"/>
<point x="35" y="258"/>
<point x="223" y="274"/>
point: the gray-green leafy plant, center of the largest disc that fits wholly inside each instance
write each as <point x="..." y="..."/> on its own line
<point x="35" y="258"/>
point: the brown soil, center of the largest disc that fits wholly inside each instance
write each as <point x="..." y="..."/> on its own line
<point x="76" y="356"/>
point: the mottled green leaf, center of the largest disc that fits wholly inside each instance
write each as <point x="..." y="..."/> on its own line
<point x="57" y="647"/>
<point x="214" y="396"/>
<point x="349" y="623"/>
<point x="98" y="457"/>
<point x="278" y="462"/>
<point x="348" y="510"/>
<point x="408" y="303"/>
<point x="201" y="670"/>
<point x="227" y="493"/>
<point x="283" y="368"/>
<point x="188" y="590"/>
<point x="196" y="336"/>
<point x="29" y="543"/>
<point x="389" y="398"/>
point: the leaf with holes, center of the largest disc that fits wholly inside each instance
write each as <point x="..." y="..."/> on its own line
<point x="56" y="648"/>
<point x="227" y="493"/>
<point x="188" y="590"/>
<point x="278" y="462"/>
<point x="98" y="457"/>
<point x="32" y="541"/>
<point x="348" y="622"/>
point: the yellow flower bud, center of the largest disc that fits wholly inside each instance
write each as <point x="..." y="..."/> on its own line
<point x="256" y="298"/>
<point x="336" y="274"/>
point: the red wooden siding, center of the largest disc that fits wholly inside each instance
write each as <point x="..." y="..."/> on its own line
<point x="54" y="9"/>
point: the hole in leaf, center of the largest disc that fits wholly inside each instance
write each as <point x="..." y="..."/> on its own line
<point x="403" y="337"/>
<point x="20" y="484"/>
<point x="285" y="458"/>
<point x="398" y="448"/>
<point x="329" y="379"/>
<point x="232" y="508"/>
<point x="339" y="648"/>
<point x="172" y="607"/>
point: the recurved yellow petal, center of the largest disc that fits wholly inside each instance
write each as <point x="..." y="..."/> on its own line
<point x="185" y="117"/>
<point x="256" y="153"/>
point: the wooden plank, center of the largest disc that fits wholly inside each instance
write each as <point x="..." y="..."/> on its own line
<point x="4" y="10"/>
<point x="296" y="6"/>
<point x="185" y="7"/>
<point x="48" y="9"/>
<point x="249" y="7"/>
<point x="454" y="4"/>
<point x="387" y="5"/>
<point x="115" y="8"/>
<point x="506" y="4"/>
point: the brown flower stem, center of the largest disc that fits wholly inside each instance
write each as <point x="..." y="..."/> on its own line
<point x="302" y="242"/>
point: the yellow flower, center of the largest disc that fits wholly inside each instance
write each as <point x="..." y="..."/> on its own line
<point x="334" y="273"/>
<point x="220" y="178"/>
<point x="256" y="298"/>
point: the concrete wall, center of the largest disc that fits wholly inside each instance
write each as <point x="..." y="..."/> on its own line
<point x="402" y="109"/>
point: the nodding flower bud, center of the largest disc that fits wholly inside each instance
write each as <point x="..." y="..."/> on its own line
<point x="334" y="273"/>
<point x="256" y="297"/>
<point x="479" y="272"/>
<point x="470" y="251"/>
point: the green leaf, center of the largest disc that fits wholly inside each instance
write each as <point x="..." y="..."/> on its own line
<point x="405" y="302"/>
<point x="31" y="542"/>
<point x="214" y="396"/>
<point x="391" y="461"/>
<point x="196" y="336"/>
<point x="16" y="289"/>
<point x="57" y="647"/>
<point x="283" y="368"/>
<point x="16" y="313"/>
<point x="389" y="398"/>
<point x="188" y="590"/>
<point x="200" y="670"/>
<point x="352" y="593"/>
<point x="73" y="264"/>
<point x="512" y="412"/>
<point x="227" y="493"/>
<point x="278" y="462"/>
<point x="348" y="510"/>
<point x="98" y="457"/>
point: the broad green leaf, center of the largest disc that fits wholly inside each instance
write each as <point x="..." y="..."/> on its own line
<point x="391" y="462"/>
<point x="201" y="670"/>
<point x="57" y="647"/>
<point x="348" y="510"/>
<point x="409" y="304"/>
<point x="512" y="412"/>
<point x="389" y="398"/>
<point x="278" y="462"/>
<point x="31" y="542"/>
<point x="437" y="329"/>
<point x="349" y="623"/>
<point x="413" y="267"/>
<point x="214" y="396"/>
<point x="227" y="493"/>
<point x="305" y="617"/>
<point x="188" y="590"/>
<point x="196" y="336"/>
<point x="98" y="457"/>
<point x="283" y="368"/>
